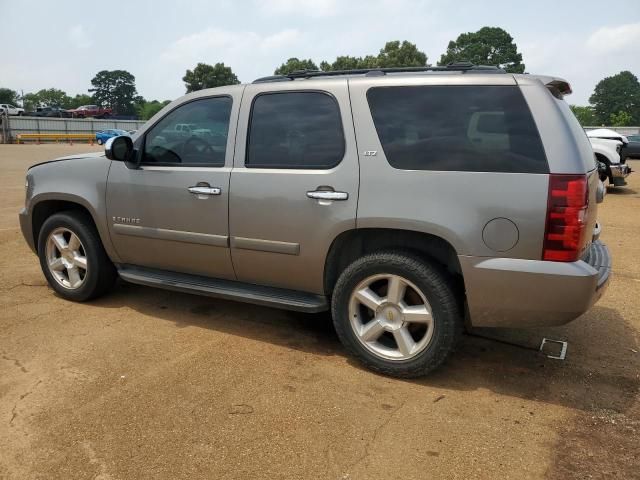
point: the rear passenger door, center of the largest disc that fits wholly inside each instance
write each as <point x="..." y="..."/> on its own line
<point x="294" y="186"/>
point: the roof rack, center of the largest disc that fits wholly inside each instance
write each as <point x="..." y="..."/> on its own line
<point x="378" y="71"/>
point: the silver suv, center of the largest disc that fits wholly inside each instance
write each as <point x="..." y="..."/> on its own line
<point x="409" y="202"/>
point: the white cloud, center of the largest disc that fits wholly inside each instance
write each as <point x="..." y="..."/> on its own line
<point x="213" y="43"/>
<point x="79" y="37"/>
<point x="608" y="40"/>
<point x="311" y="8"/>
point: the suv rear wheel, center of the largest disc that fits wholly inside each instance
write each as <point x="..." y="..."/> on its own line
<point x="396" y="313"/>
<point x="72" y="257"/>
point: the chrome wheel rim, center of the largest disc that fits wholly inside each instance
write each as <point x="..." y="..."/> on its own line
<point x="391" y="317"/>
<point x="66" y="258"/>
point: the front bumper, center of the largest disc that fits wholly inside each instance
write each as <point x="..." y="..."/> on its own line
<point x="618" y="174"/>
<point x="27" y="230"/>
<point x="511" y="292"/>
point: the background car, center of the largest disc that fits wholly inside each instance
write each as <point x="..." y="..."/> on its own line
<point x="11" y="110"/>
<point x="90" y="111"/>
<point x="103" y="136"/>
<point x="632" y="149"/>
<point x="56" y="112"/>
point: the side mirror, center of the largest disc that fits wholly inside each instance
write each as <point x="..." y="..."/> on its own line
<point x="119" y="148"/>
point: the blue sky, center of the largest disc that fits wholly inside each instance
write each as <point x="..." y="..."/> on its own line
<point x="63" y="44"/>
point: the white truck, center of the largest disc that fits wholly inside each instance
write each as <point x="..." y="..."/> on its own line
<point x="606" y="146"/>
<point x="10" y="109"/>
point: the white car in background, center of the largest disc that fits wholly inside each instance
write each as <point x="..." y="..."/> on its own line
<point x="10" y="109"/>
<point x="606" y="146"/>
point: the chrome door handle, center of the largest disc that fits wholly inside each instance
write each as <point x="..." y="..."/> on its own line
<point x="327" y="195"/>
<point x="205" y="190"/>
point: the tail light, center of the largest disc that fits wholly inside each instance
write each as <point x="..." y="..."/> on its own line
<point x="566" y="217"/>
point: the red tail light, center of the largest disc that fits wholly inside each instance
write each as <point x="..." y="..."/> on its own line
<point x="566" y="217"/>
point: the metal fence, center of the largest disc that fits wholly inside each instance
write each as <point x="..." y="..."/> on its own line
<point x="13" y="126"/>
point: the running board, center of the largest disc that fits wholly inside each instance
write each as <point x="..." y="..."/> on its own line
<point x="226" y="289"/>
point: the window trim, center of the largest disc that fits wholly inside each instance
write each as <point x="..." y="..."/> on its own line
<point x="143" y="144"/>
<point x="545" y="171"/>
<point x="289" y="167"/>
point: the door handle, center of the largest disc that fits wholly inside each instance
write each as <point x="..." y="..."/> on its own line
<point x="201" y="190"/>
<point x="327" y="195"/>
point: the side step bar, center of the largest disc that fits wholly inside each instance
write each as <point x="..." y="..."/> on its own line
<point x="226" y="289"/>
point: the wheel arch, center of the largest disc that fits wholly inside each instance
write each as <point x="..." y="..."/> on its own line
<point x="44" y="208"/>
<point x="352" y="244"/>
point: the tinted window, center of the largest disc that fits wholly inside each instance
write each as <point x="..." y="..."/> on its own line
<point x="192" y="134"/>
<point x="295" y="130"/>
<point x="463" y="128"/>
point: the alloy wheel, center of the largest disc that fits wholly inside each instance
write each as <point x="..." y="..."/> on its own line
<point x="391" y="317"/>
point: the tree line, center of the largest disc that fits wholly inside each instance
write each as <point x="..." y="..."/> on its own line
<point x="115" y="89"/>
<point x="615" y="100"/>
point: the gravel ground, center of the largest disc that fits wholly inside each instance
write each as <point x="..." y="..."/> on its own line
<point x="152" y="384"/>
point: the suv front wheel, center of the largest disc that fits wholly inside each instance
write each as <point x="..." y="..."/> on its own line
<point x="396" y="313"/>
<point x="72" y="257"/>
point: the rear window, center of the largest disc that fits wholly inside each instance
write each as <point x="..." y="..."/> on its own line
<point x="457" y="128"/>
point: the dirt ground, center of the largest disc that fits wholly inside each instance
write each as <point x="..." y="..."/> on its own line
<point x="146" y="383"/>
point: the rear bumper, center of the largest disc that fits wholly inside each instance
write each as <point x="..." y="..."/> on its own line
<point x="509" y="292"/>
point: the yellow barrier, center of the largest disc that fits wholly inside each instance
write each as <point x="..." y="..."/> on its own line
<point x="55" y="136"/>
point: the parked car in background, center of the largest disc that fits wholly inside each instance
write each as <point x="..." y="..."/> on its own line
<point x="90" y="111"/>
<point x="103" y="136"/>
<point x="10" y="109"/>
<point x="630" y="148"/>
<point x="56" y="112"/>
<point x="607" y="152"/>
<point x="378" y="197"/>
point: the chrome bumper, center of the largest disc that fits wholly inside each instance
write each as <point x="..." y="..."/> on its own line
<point x="620" y="171"/>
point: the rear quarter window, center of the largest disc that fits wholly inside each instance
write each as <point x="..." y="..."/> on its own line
<point x="457" y="128"/>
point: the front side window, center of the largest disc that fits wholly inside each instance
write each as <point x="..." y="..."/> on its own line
<point x="301" y="130"/>
<point x="194" y="134"/>
<point x="457" y="128"/>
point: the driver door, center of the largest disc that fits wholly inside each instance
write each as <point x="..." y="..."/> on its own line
<point x="171" y="213"/>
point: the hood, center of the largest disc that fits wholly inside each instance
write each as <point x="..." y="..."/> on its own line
<point x="607" y="133"/>
<point x="77" y="156"/>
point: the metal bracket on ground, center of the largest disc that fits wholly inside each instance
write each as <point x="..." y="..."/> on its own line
<point x="563" y="351"/>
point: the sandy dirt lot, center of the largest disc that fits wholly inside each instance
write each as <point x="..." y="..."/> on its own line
<point x="146" y="383"/>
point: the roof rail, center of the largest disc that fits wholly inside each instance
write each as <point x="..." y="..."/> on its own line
<point x="379" y="71"/>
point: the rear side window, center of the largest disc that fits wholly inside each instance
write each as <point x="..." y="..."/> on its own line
<point x="457" y="128"/>
<point x="295" y="130"/>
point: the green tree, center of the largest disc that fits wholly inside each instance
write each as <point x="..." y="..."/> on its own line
<point x="47" y="97"/>
<point x="487" y="46"/>
<point x="294" y="64"/>
<point x="620" y="119"/>
<point x="146" y="110"/>
<point x="81" y="99"/>
<point x="619" y="93"/>
<point x="207" y="76"/>
<point x="347" y="62"/>
<point x="405" y="54"/>
<point x="585" y="115"/>
<point x="8" y="96"/>
<point x="115" y="89"/>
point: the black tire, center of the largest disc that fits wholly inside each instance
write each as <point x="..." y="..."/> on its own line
<point x="436" y="286"/>
<point x="99" y="141"/>
<point x="101" y="273"/>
